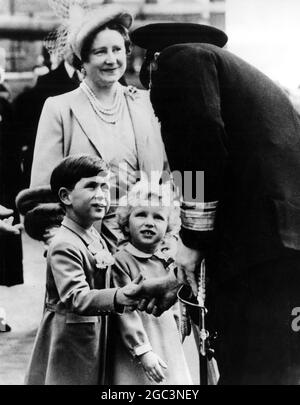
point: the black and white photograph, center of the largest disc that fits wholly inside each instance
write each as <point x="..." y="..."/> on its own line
<point x="149" y="195"/>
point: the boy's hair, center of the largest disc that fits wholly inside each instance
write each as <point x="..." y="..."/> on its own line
<point x="73" y="168"/>
<point x="145" y="193"/>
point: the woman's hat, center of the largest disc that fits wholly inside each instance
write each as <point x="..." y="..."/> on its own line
<point x="78" y="19"/>
<point x="155" y="37"/>
<point x="94" y="19"/>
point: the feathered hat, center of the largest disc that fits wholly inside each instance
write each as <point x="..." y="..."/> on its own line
<point x="78" y="19"/>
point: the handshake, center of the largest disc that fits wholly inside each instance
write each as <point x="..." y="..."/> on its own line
<point x="154" y="295"/>
<point x="43" y="213"/>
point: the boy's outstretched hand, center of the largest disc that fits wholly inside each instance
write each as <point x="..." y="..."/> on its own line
<point x="156" y="295"/>
<point x="130" y="294"/>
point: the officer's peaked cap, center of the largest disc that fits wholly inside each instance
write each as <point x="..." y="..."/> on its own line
<point x="155" y="37"/>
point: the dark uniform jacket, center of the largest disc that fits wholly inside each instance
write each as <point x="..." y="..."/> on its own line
<point x="222" y="116"/>
<point x="11" y="256"/>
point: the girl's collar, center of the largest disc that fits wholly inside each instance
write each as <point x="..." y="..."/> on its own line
<point x="143" y="255"/>
<point x="136" y="252"/>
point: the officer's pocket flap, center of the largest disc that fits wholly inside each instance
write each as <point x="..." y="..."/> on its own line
<point x="288" y="216"/>
<point x="75" y="318"/>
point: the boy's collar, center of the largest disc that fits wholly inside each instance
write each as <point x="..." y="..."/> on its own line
<point x="88" y="235"/>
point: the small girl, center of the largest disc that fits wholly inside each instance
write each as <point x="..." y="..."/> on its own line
<point x="147" y="349"/>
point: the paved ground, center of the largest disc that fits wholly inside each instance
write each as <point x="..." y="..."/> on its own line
<point x="23" y="305"/>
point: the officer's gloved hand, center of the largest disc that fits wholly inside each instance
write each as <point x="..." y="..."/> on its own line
<point x="188" y="262"/>
<point x="159" y="294"/>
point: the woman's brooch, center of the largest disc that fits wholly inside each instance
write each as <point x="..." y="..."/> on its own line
<point x="132" y="92"/>
<point x="102" y="256"/>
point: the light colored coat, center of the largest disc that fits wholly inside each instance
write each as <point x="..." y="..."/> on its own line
<point x="67" y="127"/>
<point x="136" y="333"/>
<point x="70" y="346"/>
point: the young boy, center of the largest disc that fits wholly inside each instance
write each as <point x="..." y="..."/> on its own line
<point x="70" y="346"/>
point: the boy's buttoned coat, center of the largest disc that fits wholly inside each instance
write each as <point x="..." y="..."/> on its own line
<point x="70" y="346"/>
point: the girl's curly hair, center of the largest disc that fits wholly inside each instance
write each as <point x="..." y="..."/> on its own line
<point x="145" y="193"/>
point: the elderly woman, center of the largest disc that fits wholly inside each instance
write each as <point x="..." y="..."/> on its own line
<point x="101" y="117"/>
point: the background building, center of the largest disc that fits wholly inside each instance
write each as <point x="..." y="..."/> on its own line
<point x="24" y="23"/>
